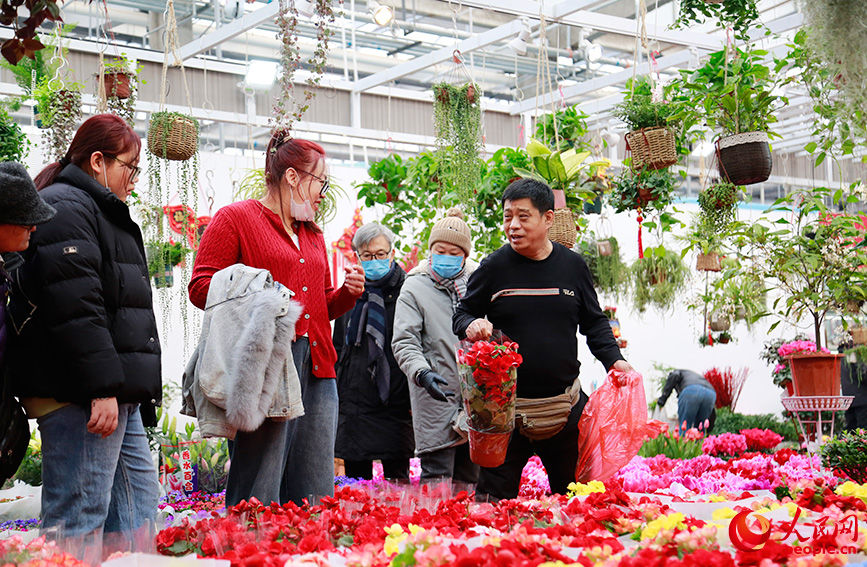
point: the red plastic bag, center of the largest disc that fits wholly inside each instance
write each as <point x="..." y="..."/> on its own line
<point x="613" y="426"/>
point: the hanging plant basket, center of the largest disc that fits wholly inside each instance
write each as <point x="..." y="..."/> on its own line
<point x="859" y="335"/>
<point x="165" y="278"/>
<point x="117" y="85"/>
<point x="604" y="247"/>
<point x="719" y="323"/>
<point x="652" y="148"/>
<point x="816" y="374"/>
<point x="563" y="230"/>
<point x="594" y="206"/>
<point x="173" y="136"/>
<point x="645" y="196"/>
<point x="708" y="262"/>
<point x="745" y="159"/>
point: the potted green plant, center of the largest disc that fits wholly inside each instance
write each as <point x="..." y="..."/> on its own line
<point x="652" y="138"/>
<point x="610" y="273"/>
<point x="14" y="144"/>
<point x="658" y="278"/>
<point x="458" y="130"/>
<point x="59" y="103"/>
<point x="647" y="190"/>
<point x="564" y="130"/>
<point x="736" y="97"/>
<point x="846" y="452"/>
<point x="121" y="80"/>
<point x="740" y="15"/>
<point x="724" y="338"/>
<point x="162" y="257"/>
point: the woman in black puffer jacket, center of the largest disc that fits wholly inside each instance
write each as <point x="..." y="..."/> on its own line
<point x="86" y="352"/>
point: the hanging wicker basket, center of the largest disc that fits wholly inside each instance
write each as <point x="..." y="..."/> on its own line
<point x="563" y="230"/>
<point x="859" y="335"/>
<point x="708" y="262"/>
<point x="173" y="136"/>
<point x="745" y="159"/>
<point x="604" y="247"/>
<point x="719" y="323"/>
<point x="652" y="148"/>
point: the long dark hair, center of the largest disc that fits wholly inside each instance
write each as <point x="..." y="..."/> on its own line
<point x="284" y="152"/>
<point x="106" y="133"/>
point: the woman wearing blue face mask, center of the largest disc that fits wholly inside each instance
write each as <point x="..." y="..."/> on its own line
<point x="424" y="346"/>
<point x="374" y="421"/>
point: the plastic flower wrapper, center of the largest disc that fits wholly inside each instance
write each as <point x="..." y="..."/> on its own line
<point x="489" y="372"/>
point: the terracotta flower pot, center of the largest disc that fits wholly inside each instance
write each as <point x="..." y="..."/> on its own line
<point x="790" y="389"/>
<point x="645" y="196"/>
<point x="117" y="85"/>
<point x="471" y="94"/>
<point x="489" y="449"/>
<point x="815" y="374"/>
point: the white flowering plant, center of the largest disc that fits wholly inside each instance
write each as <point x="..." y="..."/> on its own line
<point x="812" y="251"/>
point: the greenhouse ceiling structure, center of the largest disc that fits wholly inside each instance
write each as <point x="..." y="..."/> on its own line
<point x="528" y="57"/>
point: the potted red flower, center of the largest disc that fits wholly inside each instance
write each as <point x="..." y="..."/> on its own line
<point x="489" y="372"/>
<point x="814" y="373"/>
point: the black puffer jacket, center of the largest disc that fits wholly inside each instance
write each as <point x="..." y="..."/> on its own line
<point x="82" y="316"/>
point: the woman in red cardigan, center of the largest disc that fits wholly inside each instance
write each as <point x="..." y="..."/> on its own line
<point x="286" y="460"/>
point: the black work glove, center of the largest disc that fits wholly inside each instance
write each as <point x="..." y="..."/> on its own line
<point x="431" y="381"/>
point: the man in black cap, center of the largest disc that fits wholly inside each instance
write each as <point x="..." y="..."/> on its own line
<point x="21" y="209"/>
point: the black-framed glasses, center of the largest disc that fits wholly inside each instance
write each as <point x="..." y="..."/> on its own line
<point x="136" y="170"/>
<point x="367" y="256"/>
<point x="326" y="183"/>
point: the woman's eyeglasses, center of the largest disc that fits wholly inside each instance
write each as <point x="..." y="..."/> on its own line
<point x="326" y="183"/>
<point x="136" y="170"/>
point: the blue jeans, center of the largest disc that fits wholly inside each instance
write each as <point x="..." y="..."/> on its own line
<point x="289" y="460"/>
<point x="92" y="483"/>
<point x="694" y="405"/>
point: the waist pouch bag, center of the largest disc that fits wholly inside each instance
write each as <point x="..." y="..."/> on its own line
<point x="542" y="418"/>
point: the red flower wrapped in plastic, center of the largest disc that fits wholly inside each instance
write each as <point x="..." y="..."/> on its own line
<point x="489" y="373"/>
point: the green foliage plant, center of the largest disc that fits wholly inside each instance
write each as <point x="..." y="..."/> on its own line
<point x="124" y="107"/>
<point x="808" y="249"/>
<point x="252" y="186"/>
<point x="610" y="273"/>
<point x="672" y="445"/>
<point x="161" y="254"/>
<point x="650" y="190"/>
<point x="658" y="279"/>
<point x="458" y="130"/>
<point x="741" y="15"/>
<point x="847" y="453"/>
<point x="564" y="130"/>
<point x="14" y="144"/>
<point x="718" y="204"/>
<point x="732" y="95"/>
<point x="30" y="470"/>
<point x="640" y="110"/>
<point x="59" y="103"/>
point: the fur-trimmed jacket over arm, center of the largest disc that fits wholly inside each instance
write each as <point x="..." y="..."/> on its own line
<point x="242" y="371"/>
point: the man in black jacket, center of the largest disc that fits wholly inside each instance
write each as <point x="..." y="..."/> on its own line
<point x="540" y="294"/>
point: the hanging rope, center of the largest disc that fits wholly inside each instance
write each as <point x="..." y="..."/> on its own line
<point x="543" y="78"/>
<point x="101" y="96"/>
<point x="172" y="45"/>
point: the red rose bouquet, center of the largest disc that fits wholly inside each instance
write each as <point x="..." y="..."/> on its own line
<point x="488" y="372"/>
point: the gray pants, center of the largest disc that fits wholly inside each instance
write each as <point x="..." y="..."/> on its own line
<point x="452" y="462"/>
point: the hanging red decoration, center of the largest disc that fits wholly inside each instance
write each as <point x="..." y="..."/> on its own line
<point x="180" y="217"/>
<point x="344" y="243"/>
<point x="640" y="246"/>
<point x="195" y="231"/>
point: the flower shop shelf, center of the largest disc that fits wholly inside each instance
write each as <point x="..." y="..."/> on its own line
<point x="803" y="406"/>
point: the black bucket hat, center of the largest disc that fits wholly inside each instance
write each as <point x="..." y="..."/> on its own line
<point x="19" y="202"/>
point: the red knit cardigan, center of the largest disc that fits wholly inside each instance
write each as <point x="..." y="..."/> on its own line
<point x="249" y="233"/>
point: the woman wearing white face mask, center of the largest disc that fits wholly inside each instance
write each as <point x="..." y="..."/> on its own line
<point x="286" y="460"/>
<point x="424" y="348"/>
<point x="374" y="422"/>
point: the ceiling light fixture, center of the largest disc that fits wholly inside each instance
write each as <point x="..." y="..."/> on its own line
<point x="382" y="15"/>
<point x="261" y="74"/>
<point x="519" y="44"/>
<point x="592" y="52"/>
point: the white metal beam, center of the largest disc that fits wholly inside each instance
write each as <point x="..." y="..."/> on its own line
<point x="232" y="29"/>
<point x="673" y="60"/>
<point x="625" y="26"/>
<point x="433" y="58"/>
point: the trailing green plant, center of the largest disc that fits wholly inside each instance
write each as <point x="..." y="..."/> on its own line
<point x="641" y="108"/>
<point x="501" y="169"/>
<point x="650" y="190"/>
<point x="59" y="103"/>
<point x="569" y="132"/>
<point x="718" y="204"/>
<point x="610" y="273"/>
<point x="740" y="294"/>
<point x="161" y="254"/>
<point x="658" y="278"/>
<point x="14" y="144"/>
<point x="740" y="15"/>
<point x="123" y="107"/>
<point x="859" y="353"/>
<point x="30" y="469"/>
<point x="728" y="421"/>
<point x="733" y="95"/>
<point x="36" y="67"/>
<point x="289" y="108"/>
<point x="458" y="130"/>
<point x="846" y="452"/>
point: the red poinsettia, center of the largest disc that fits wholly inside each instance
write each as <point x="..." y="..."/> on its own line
<point x="488" y="379"/>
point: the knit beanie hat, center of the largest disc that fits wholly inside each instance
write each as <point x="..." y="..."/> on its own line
<point x="19" y="202"/>
<point x="451" y="229"/>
